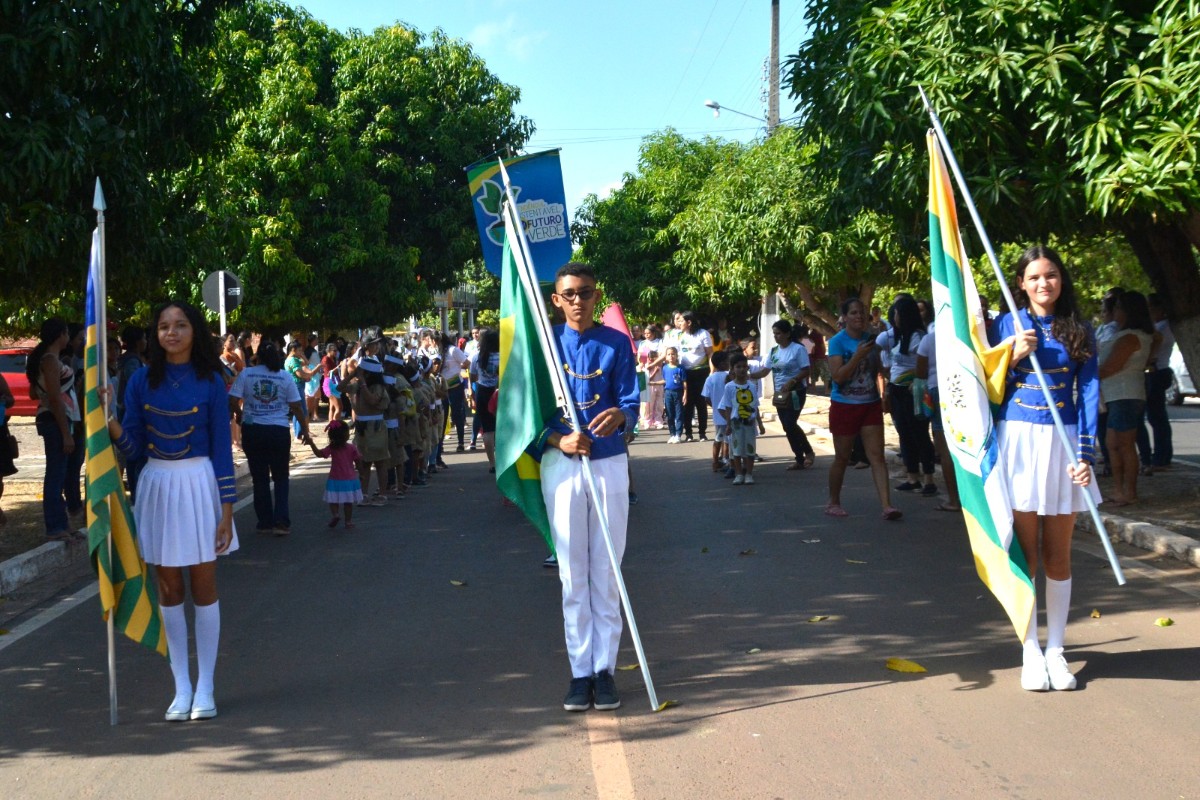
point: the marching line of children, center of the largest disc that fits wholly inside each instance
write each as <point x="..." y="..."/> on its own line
<point x="399" y="416"/>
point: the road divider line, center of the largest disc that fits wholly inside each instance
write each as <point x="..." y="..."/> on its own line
<point x="610" y="768"/>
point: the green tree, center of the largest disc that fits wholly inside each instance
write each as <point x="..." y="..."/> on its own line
<point x="763" y="223"/>
<point x="626" y="236"/>
<point x="291" y="208"/>
<point x="95" y="89"/>
<point x="1068" y="118"/>
<point x="424" y="108"/>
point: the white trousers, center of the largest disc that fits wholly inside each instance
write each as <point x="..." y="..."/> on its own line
<point x="591" y="602"/>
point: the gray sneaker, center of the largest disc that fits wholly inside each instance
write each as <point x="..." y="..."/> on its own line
<point x="579" y="696"/>
<point x="606" y="697"/>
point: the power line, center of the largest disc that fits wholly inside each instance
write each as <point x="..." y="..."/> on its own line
<point x="692" y="57"/>
<point x="728" y="33"/>
<point x="556" y="142"/>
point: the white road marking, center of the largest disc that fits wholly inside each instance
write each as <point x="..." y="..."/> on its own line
<point x="69" y="602"/>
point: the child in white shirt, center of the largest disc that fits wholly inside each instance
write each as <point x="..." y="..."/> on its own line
<point x="738" y="410"/>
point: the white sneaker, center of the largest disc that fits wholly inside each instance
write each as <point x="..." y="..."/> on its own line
<point x="673" y="440"/>
<point x="749" y="480"/>
<point x="1033" y="673"/>
<point x="1059" y="674"/>
<point x="739" y="480"/>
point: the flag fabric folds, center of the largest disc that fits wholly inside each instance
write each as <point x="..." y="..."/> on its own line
<point x="525" y="397"/>
<point x="971" y="386"/>
<point x="126" y="590"/>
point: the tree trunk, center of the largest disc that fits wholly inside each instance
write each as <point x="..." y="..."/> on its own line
<point x="816" y="315"/>
<point x="1166" y="252"/>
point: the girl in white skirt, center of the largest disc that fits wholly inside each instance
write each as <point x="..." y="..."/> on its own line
<point x="1047" y="483"/>
<point x="177" y="414"/>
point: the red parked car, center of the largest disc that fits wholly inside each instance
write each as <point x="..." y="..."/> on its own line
<point x="12" y="366"/>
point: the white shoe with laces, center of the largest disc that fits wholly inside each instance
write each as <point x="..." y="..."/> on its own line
<point x="1033" y="673"/>
<point x="1059" y="674"/>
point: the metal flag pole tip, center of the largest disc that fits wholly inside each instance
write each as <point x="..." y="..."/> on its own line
<point x="98" y="199"/>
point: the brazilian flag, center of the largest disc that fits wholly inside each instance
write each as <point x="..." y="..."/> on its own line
<point x="125" y="587"/>
<point x="525" y="400"/>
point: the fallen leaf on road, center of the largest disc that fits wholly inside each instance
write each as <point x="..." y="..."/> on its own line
<point x="854" y="561"/>
<point x="703" y="549"/>
<point x="1164" y="622"/>
<point x="903" y="665"/>
<point x="818" y="618"/>
<point x="628" y="667"/>
<point x="753" y="650"/>
<point x="458" y="583"/>
<point x="3" y="631"/>
<point x="666" y="704"/>
<point x="749" y="552"/>
<point x="1095" y="613"/>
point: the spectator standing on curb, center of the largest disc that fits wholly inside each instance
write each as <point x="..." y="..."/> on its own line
<point x="52" y="384"/>
<point x="695" y="349"/>
<point x="7" y="467"/>
<point x="260" y="399"/>
<point x="1158" y="379"/>
<point x="913" y="429"/>
<point x="1122" y="370"/>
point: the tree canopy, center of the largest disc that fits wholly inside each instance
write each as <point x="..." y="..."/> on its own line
<point x="325" y="169"/>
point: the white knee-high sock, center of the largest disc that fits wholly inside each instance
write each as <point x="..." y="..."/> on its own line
<point x="1058" y="606"/>
<point x="1030" y="644"/>
<point x="175" y="623"/>
<point x="208" y="634"/>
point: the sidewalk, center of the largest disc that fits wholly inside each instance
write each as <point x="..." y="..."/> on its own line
<point x="1166" y="520"/>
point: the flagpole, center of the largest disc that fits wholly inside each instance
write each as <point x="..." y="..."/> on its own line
<point x="101" y="293"/>
<point x="948" y="152"/>
<point x="529" y="283"/>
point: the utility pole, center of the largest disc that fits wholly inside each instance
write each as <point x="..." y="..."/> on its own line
<point x="773" y="78"/>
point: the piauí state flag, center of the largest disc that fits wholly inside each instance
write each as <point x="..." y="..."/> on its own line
<point x="971" y="387"/>
<point x="125" y="587"/>
<point x="526" y="397"/>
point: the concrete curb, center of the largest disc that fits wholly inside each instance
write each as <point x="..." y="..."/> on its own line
<point x="1149" y="537"/>
<point x="50" y="557"/>
<point x="1143" y="535"/>
<point x="42" y="560"/>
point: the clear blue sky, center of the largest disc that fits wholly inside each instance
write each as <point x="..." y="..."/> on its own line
<point x="596" y="77"/>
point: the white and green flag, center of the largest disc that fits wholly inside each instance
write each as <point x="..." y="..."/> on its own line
<point x="971" y="386"/>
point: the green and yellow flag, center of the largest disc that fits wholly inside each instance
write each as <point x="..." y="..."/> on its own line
<point x="526" y="397"/>
<point x="125" y="587"/>
<point x="970" y="386"/>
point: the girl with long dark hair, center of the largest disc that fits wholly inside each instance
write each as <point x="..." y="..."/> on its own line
<point x="1046" y="483"/>
<point x="901" y="341"/>
<point x="177" y="414"/>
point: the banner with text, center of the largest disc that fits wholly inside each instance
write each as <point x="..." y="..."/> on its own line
<point x="541" y="203"/>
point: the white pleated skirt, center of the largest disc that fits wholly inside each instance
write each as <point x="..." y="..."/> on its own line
<point x="177" y="510"/>
<point x="1037" y="463"/>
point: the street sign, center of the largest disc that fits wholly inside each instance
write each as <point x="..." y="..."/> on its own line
<point x="222" y="293"/>
<point x="212" y="291"/>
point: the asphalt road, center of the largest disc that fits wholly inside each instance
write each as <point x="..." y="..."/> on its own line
<point x="351" y="666"/>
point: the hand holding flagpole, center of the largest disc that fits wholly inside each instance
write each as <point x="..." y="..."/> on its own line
<point x="944" y="143"/>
